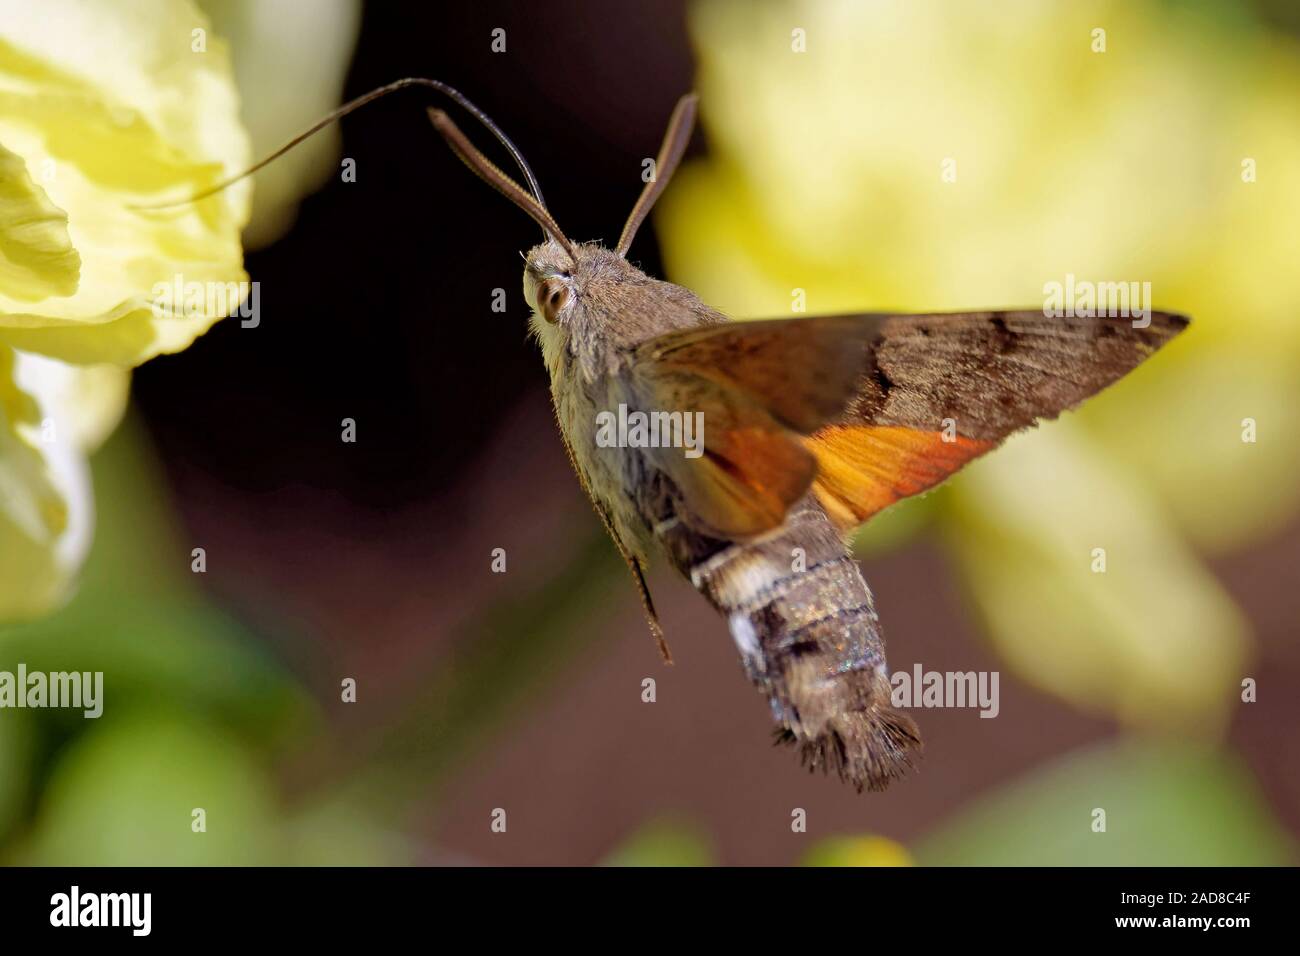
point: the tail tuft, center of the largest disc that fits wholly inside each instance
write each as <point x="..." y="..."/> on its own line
<point x="867" y="748"/>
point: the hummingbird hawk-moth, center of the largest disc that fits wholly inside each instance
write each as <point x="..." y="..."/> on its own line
<point x="813" y="425"/>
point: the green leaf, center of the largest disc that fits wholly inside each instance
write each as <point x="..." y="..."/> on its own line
<point x="126" y="791"/>
<point x="664" y="843"/>
<point x="1165" y="805"/>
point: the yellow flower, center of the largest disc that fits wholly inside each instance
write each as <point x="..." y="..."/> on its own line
<point x="858" y="851"/>
<point x="51" y="415"/>
<point x="105" y="105"/>
<point x="924" y="155"/>
<point x="324" y="33"/>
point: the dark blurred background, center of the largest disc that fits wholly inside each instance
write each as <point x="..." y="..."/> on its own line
<point x="400" y="334"/>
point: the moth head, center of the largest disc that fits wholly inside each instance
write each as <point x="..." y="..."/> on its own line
<point x="549" y="281"/>
<point x="572" y="288"/>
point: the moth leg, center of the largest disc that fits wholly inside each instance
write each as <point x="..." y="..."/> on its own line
<point x="642" y="588"/>
<point x="656" y="631"/>
<point x="633" y="563"/>
<point x="638" y="575"/>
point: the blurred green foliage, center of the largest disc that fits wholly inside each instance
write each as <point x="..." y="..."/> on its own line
<point x="664" y="843"/>
<point x="197" y="714"/>
<point x="1165" y="805"/>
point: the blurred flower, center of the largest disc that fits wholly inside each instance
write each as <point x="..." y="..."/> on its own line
<point x="1162" y="159"/>
<point x="858" y="851"/>
<point x="324" y="34"/>
<point x="103" y="105"/>
<point x="52" y="415"/>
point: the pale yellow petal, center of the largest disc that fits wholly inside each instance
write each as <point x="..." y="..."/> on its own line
<point x="83" y="403"/>
<point x="1087" y="592"/>
<point x="325" y="32"/>
<point x="37" y="259"/>
<point x="46" y="507"/>
<point x="117" y="106"/>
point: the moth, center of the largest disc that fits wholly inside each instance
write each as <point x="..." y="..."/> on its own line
<point x="811" y="426"/>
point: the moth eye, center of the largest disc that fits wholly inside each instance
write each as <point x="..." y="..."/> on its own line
<point x="552" y="296"/>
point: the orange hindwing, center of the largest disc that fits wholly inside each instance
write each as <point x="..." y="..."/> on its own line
<point x="862" y="469"/>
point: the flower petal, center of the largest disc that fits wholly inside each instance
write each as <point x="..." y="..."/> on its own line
<point x="37" y="259"/>
<point x="1139" y="629"/>
<point x="46" y="506"/>
<point x="325" y="33"/>
<point x="123" y="104"/>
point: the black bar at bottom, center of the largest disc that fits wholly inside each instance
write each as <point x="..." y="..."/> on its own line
<point x="874" y="905"/>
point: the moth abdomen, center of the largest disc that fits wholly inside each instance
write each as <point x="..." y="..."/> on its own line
<point x="802" y="617"/>
<point x="829" y="684"/>
<point x="859" y="736"/>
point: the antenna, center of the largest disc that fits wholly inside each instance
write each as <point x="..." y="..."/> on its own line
<point x="351" y="107"/>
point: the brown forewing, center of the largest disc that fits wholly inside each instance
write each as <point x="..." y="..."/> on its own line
<point x="940" y="390"/>
<point x="890" y="404"/>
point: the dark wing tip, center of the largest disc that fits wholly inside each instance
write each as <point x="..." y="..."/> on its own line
<point x="1175" y="320"/>
<point x="1163" y="326"/>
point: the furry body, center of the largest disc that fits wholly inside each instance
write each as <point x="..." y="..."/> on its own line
<point x="797" y="606"/>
